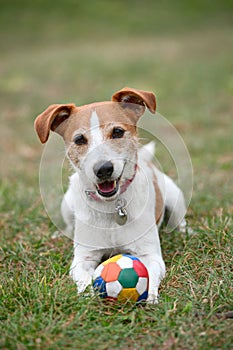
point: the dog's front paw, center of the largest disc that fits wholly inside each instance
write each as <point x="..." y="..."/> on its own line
<point x="86" y="292"/>
<point x="152" y="299"/>
<point x="82" y="284"/>
<point x="82" y="279"/>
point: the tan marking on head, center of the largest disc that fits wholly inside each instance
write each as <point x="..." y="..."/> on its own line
<point x="110" y="115"/>
<point x="66" y="118"/>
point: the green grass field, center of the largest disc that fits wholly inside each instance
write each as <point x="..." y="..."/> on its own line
<point x="73" y="51"/>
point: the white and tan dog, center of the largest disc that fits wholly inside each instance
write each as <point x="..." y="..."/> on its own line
<point x="116" y="199"/>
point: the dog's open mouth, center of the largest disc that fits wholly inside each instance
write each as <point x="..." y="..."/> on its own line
<point x="108" y="188"/>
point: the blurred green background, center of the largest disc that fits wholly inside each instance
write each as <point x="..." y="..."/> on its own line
<point x="81" y="51"/>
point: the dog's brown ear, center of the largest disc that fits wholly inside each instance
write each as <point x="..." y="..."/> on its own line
<point x="51" y="118"/>
<point x="139" y="97"/>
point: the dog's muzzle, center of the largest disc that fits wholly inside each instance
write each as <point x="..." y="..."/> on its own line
<point x="106" y="186"/>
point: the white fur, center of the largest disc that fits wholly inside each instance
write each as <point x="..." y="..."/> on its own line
<point x="96" y="134"/>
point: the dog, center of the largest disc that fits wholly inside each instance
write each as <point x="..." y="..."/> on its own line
<point x="117" y="198"/>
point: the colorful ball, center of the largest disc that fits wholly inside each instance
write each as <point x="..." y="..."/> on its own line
<point x="122" y="277"/>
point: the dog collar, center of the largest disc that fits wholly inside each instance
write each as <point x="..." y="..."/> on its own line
<point x="128" y="182"/>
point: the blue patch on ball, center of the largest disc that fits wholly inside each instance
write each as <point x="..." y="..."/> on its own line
<point x="100" y="287"/>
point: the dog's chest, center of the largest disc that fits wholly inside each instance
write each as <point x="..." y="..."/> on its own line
<point x="99" y="228"/>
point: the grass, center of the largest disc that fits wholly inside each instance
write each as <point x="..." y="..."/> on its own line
<point x="80" y="52"/>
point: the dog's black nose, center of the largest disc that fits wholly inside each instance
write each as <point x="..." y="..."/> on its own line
<point x="103" y="170"/>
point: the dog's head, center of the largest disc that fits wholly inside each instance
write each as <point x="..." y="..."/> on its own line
<point x="101" y="138"/>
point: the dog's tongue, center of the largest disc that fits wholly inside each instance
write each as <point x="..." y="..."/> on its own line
<point x="107" y="186"/>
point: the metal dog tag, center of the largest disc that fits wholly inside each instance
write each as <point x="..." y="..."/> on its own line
<point x="121" y="213"/>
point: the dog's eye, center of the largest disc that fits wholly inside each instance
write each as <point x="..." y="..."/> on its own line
<point x="80" y="140"/>
<point x="117" y="133"/>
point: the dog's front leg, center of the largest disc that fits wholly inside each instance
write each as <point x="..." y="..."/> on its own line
<point x="82" y="270"/>
<point x="156" y="270"/>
